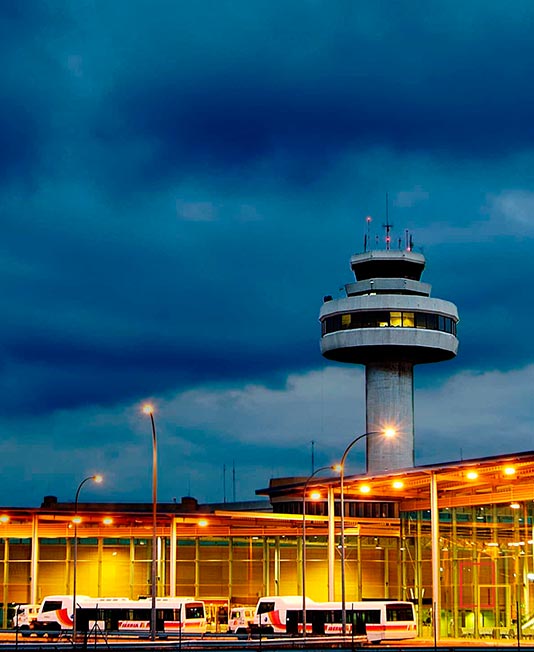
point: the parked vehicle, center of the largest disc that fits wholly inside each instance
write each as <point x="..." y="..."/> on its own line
<point x="375" y="620"/>
<point x="173" y="615"/>
<point x="240" y="620"/>
<point x="25" y="614"/>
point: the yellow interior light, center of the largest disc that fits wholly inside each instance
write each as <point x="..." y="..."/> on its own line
<point x="4" y="518"/>
<point x="398" y="484"/>
<point x="77" y="520"/>
<point x="515" y="505"/>
<point x="107" y="520"/>
<point x="471" y="475"/>
<point x="509" y="470"/>
<point x="365" y="489"/>
<point x="203" y="522"/>
<point x="315" y="495"/>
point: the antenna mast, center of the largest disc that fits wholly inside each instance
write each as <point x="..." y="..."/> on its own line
<point x="387" y="225"/>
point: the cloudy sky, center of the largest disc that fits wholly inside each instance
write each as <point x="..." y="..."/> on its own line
<point x="182" y="182"/>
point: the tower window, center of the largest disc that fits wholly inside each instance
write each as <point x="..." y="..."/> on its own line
<point x="383" y="319"/>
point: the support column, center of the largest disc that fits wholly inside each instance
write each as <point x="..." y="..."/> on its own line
<point x="173" y="560"/>
<point x="456" y="575"/>
<point x="5" y="594"/>
<point x="99" y="557"/>
<point x="266" y="566"/>
<point x="331" y="545"/>
<point x="359" y="567"/>
<point x="197" y="568"/>
<point x="34" y="564"/>
<point x="434" y="525"/>
<point x="230" y="568"/>
<point x="160" y="575"/>
<point x="299" y="566"/>
<point x="132" y="569"/>
<point x="418" y="571"/>
<point x="277" y="565"/>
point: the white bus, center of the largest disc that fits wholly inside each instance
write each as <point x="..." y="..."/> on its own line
<point x="376" y="620"/>
<point x="173" y="615"/>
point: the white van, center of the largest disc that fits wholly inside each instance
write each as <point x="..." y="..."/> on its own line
<point x="25" y="615"/>
<point x="240" y="619"/>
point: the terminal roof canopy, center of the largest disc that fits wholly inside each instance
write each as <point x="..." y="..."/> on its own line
<point x="498" y="479"/>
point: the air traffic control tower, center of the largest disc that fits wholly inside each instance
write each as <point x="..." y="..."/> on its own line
<point x="388" y="322"/>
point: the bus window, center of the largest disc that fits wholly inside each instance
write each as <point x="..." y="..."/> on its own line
<point x="264" y="607"/>
<point x="194" y="611"/>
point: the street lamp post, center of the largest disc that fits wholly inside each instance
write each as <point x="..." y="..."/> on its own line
<point x="323" y="468"/>
<point x="149" y="409"/>
<point x="389" y="432"/>
<point x="98" y="479"/>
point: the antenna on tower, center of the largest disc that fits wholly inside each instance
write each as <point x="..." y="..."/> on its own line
<point x="387" y="225"/>
<point x="367" y="236"/>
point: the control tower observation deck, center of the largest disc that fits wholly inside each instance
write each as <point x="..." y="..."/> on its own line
<point x="389" y="323"/>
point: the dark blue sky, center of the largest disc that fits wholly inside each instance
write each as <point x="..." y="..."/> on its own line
<point x="181" y="183"/>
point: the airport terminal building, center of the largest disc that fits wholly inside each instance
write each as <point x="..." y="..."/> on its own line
<point x="456" y="538"/>
<point x="466" y="525"/>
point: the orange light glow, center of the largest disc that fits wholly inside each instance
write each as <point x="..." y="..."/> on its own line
<point x="509" y="470"/>
<point x="398" y="484"/>
<point x="337" y="468"/>
<point x="515" y="505"/>
<point x="365" y="489"/>
<point x="4" y="518"/>
<point x="471" y="475"/>
<point x="107" y="520"/>
<point x="77" y="520"/>
<point x="389" y="432"/>
<point x="315" y="495"/>
<point x="203" y="522"/>
<point x="148" y="408"/>
<point x="98" y="479"/>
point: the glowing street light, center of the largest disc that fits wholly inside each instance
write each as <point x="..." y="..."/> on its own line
<point x="76" y="520"/>
<point x="314" y="496"/>
<point x="387" y="432"/>
<point x="149" y="410"/>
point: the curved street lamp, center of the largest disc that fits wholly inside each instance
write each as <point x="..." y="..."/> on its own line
<point x="322" y="468"/>
<point x="98" y="479"/>
<point x="388" y="432"/>
<point x="149" y="409"/>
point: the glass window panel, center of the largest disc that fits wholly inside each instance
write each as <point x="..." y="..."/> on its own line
<point x="441" y="323"/>
<point x="345" y="321"/>
<point x="395" y="319"/>
<point x="408" y="320"/>
<point x="420" y="320"/>
<point x="432" y="322"/>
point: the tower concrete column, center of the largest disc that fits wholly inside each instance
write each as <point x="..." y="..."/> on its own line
<point x="389" y="404"/>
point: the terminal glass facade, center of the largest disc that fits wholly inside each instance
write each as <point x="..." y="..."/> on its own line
<point x="486" y="566"/>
